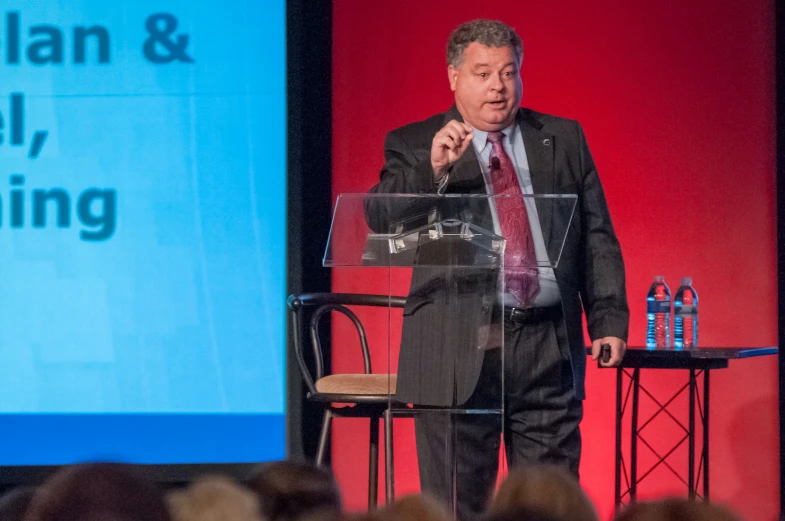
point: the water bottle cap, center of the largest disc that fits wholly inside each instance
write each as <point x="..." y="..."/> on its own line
<point x="686" y="281"/>
<point x="659" y="278"/>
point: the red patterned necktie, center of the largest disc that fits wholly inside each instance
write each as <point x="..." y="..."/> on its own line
<point x="520" y="272"/>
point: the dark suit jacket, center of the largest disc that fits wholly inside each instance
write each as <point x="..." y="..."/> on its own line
<point x="439" y="362"/>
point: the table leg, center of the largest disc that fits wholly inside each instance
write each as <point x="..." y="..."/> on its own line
<point x="691" y="436"/>
<point x="617" y="477"/>
<point x="706" y="435"/>
<point x="389" y="465"/>
<point x="636" y="385"/>
<point x="373" y="467"/>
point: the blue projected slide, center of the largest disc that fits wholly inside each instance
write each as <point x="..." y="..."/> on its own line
<point x="142" y="231"/>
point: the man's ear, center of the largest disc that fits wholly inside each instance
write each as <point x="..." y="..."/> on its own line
<point x="452" y="75"/>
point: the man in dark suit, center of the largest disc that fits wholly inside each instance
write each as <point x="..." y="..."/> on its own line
<point x="487" y="144"/>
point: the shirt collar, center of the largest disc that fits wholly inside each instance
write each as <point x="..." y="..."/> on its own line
<point x="481" y="137"/>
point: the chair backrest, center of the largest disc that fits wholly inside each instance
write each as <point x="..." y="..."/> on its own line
<point x="323" y="303"/>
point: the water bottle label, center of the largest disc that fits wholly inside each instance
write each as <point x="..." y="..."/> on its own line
<point x="658" y="306"/>
<point x="686" y="309"/>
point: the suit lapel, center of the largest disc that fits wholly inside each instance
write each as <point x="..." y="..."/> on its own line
<point x="540" y="147"/>
<point x="466" y="175"/>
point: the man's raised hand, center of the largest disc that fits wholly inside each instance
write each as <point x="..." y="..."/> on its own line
<point x="448" y="146"/>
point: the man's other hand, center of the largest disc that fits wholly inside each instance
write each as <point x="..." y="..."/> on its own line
<point x="618" y="348"/>
<point x="448" y="146"/>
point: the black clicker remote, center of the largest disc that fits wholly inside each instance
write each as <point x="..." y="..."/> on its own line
<point x="605" y="353"/>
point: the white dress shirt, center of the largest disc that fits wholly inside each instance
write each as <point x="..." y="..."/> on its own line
<point x="513" y="144"/>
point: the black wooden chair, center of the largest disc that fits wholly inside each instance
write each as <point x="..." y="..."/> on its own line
<point x="363" y="395"/>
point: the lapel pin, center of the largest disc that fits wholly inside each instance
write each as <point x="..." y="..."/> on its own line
<point x="546" y="142"/>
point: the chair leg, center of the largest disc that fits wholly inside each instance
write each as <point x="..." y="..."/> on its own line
<point x="373" y="464"/>
<point x="324" y="438"/>
<point x="389" y="466"/>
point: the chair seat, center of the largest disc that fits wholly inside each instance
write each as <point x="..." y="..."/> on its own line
<point x="357" y="384"/>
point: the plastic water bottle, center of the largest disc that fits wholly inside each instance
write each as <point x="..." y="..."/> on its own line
<point x="685" y="315"/>
<point x="658" y="313"/>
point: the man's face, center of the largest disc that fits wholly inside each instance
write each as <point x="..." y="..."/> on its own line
<point x="487" y="86"/>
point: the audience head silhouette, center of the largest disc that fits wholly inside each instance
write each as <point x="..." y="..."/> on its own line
<point x="214" y="499"/>
<point x="13" y="504"/>
<point x="418" y="506"/>
<point x="677" y="510"/>
<point x="522" y="514"/>
<point x="292" y="491"/>
<point x="288" y="490"/>
<point x="547" y="489"/>
<point x="97" y="492"/>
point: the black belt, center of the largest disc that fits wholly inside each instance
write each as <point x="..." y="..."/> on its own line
<point x="533" y="315"/>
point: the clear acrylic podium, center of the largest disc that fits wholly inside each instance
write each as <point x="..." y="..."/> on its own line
<point x="447" y="370"/>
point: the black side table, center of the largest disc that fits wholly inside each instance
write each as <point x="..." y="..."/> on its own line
<point x="698" y="361"/>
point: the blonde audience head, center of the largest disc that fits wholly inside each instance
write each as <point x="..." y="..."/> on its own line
<point x="546" y="489"/>
<point x="214" y="499"/>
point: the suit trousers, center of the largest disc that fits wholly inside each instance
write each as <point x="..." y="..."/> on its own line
<point x="540" y="424"/>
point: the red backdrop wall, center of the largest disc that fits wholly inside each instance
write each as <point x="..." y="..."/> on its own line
<point x="677" y="101"/>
